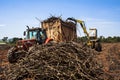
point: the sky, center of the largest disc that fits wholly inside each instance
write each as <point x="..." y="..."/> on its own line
<point x="101" y="14"/>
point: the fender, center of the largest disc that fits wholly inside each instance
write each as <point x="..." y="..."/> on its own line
<point x="48" y="40"/>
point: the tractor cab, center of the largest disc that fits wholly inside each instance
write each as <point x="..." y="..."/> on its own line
<point x="32" y="36"/>
<point x="37" y="34"/>
<point x="93" y="34"/>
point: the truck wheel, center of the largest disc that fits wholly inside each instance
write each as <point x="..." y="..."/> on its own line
<point x="98" y="47"/>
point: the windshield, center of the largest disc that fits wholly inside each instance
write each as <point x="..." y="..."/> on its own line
<point x="36" y="34"/>
<point x="32" y="34"/>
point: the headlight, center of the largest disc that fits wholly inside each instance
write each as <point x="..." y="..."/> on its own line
<point x="20" y="46"/>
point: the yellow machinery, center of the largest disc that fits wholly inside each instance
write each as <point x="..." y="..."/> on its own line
<point x="92" y="40"/>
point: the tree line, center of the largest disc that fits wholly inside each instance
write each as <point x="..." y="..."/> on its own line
<point x="11" y="40"/>
<point x="103" y="39"/>
<point x="109" y="39"/>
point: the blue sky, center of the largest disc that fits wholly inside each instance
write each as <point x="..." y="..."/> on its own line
<point x="101" y="14"/>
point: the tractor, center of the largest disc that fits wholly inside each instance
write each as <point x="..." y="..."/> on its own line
<point x="92" y="40"/>
<point x="33" y="36"/>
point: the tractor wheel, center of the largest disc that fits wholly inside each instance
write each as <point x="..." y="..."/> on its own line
<point x="98" y="46"/>
<point x="11" y="55"/>
<point x="11" y="58"/>
<point x="14" y="56"/>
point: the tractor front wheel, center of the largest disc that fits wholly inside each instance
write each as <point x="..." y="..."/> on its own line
<point x="98" y="47"/>
<point x="14" y="55"/>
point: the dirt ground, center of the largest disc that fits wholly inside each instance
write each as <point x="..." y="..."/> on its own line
<point x="3" y="58"/>
<point x="109" y="57"/>
<point x="3" y="54"/>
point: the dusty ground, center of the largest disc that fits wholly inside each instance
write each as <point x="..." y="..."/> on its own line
<point x="109" y="57"/>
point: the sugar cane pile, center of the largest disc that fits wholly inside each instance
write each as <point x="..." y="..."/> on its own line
<point x="53" y="19"/>
<point x="56" y="61"/>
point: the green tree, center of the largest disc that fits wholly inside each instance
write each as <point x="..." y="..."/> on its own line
<point x="4" y="39"/>
<point x="14" y="40"/>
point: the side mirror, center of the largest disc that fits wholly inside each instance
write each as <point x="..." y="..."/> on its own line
<point x="24" y="33"/>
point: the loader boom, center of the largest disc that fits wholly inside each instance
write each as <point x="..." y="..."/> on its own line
<point x="92" y="41"/>
<point x="82" y="23"/>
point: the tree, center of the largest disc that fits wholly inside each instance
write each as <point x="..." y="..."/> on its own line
<point x="110" y="39"/>
<point x="4" y="39"/>
<point x="14" y="40"/>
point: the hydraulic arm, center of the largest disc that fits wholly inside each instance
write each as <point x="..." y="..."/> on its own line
<point x="82" y="23"/>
